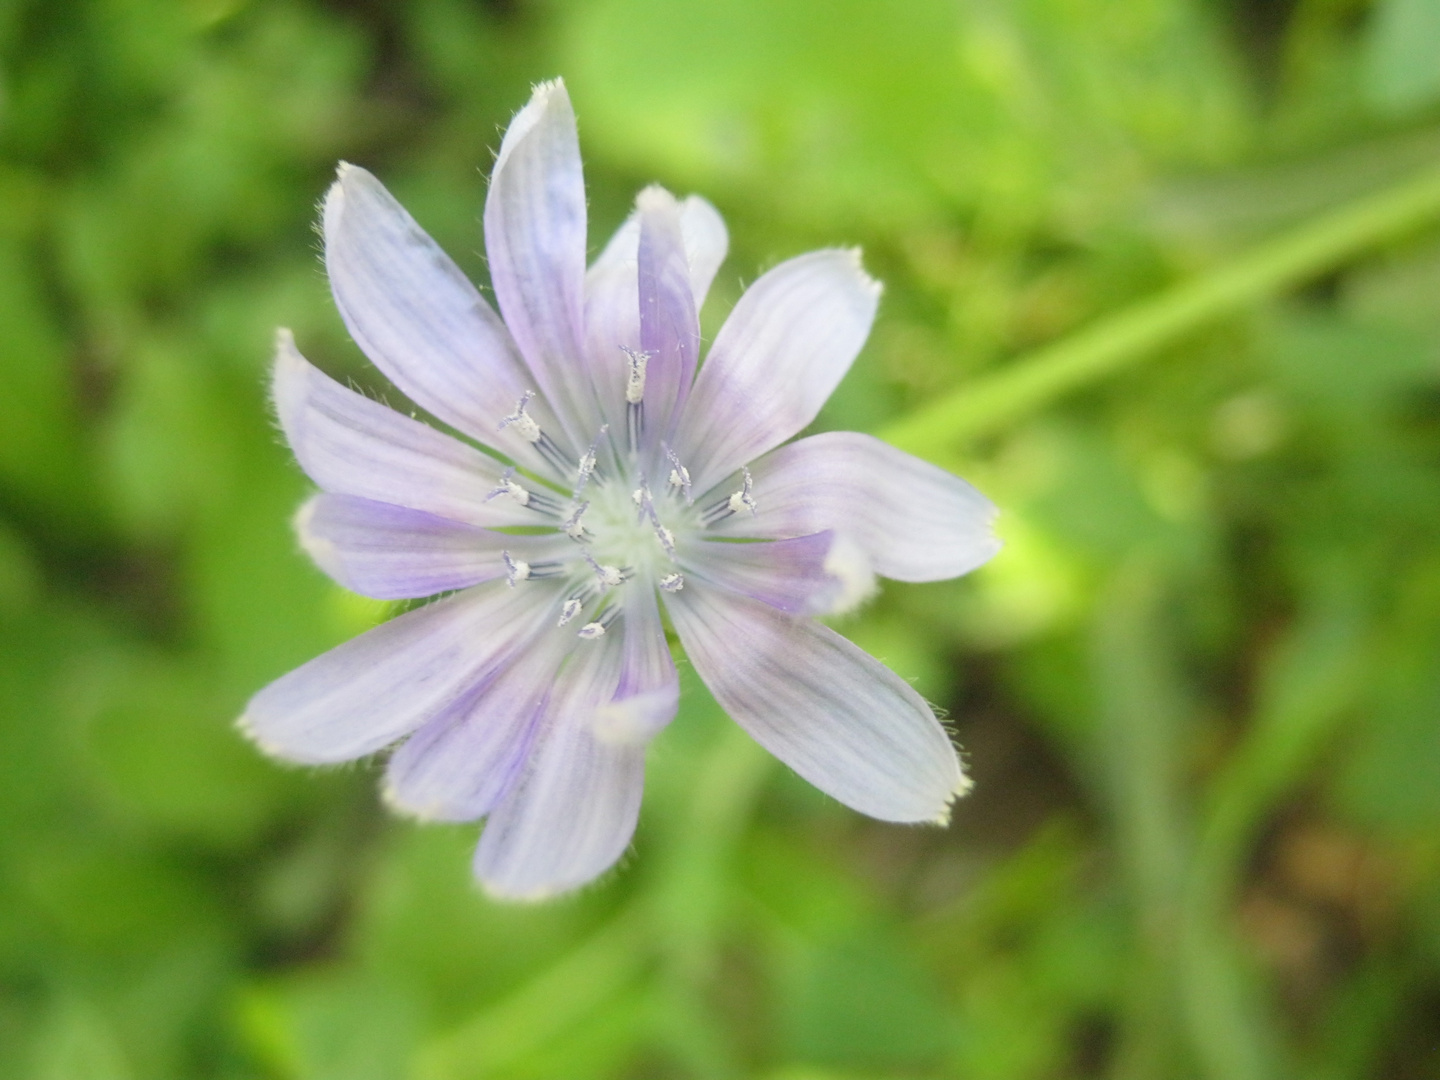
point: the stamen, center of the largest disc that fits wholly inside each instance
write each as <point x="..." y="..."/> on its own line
<point x="508" y="486"/>
<point x="574" y="529"/>
<point x="635" y="382"/>
<point x="742" y="499"/>
<point x="569" y="610"/>
<point x="516" y="571"/>
<point x="592" y="630"/>
<point x="643" y="500"/>
<point x="587" y="462"/>
<point x="609" y="576"/>
<point x="634" y="425"/>
<point x="679" y="475"/>
<point x="553" y="454"/>
<point x="635" y="398"/>
<point x="530" y="431"/>
<point x="521" y="421"/>
<point x="672" y="582"/>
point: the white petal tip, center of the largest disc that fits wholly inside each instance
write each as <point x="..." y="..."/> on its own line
<point x="854" y="576"/>
<point x="397" y="806"/>
<point x="655" y="198"/>
<point x="857" y="260"/>
<point x="543" y="93"/>
<point x="246" y="726"/>
<point x="634" y="721"/>
<point x="321" y="550"/>
<point x="504" y="895"/>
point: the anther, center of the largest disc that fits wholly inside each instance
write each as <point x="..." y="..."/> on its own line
<point x="508" y="486"/>
<point x="587" y="462"/>
<point x="533" y="499"/>
<point x="530" y="431"/>
<point x="521" y="421"/>
<point x="592" y="630"/>
<point x="635" y="379"/>
<point x="679" y="475"/>
<point x="569" y="610"/>
<point x="647" y="509"/>
<point x="516" y="570"/>
<point x="672" y="582"/>
<point x="609" y="576"/>
<point x="573" y="527"/>
<point x="742" y="499"/>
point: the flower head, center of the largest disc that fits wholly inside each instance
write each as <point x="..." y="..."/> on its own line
<point x="528" y="694"/>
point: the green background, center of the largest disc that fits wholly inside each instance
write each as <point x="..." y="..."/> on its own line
<point x="1198" y="690"/>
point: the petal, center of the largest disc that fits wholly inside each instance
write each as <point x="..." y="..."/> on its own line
<point x="573" y="813"/>
<point x="535" y="237"/>
<point x="791" y="575"/>
<point x="669" y="328"/>
<point x="913" y="522"/>
<point x="393" y="553"/>
<point x="363" y="695"/>
<point x="788" y="342"/>
<point x="417" y="316"/>
<point x="706" y="244"/>
<point x="612" y="325"/>
<point x="834" y="714"/>
<point x="648" y="693"/>
<point x="351" y="445"/>
<point x="612" y="311"/>
<point x="458" y="765"/>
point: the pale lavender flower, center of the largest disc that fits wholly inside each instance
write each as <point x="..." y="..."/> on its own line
<point x="527" y="695"/>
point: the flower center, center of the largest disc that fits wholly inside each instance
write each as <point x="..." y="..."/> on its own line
<point x="623" y="529"/>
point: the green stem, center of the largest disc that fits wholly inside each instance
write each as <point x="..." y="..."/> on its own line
<point x="1130" y="335"/>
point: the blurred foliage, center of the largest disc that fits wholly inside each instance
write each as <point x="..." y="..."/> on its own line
<point x="1199" y="691"/>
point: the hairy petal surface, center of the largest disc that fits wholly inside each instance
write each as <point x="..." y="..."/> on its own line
<point x="363" y="695"/>
<point x="572" y="813"/>
<point x="457" y="767"/>
<point x="784" y="348"/>
<point x="834" y="714"/>
<point x="417" y="316"/>
<point x="535" y="238"/>
<point x="351" y="445"/>
<point x="394" y="553"/>
<point x="913" y="521"/>
<point x="791" y="575"/>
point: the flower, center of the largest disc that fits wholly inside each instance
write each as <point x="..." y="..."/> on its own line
<point x="527" y="694"/>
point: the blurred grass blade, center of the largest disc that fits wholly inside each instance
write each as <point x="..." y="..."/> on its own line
<point x="1307" y="687"/>
<point x="583" y="981"/>
<point x="1402" y="70"/>
<point x="1142" y="712"/>
<point x="988" y="404"/>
